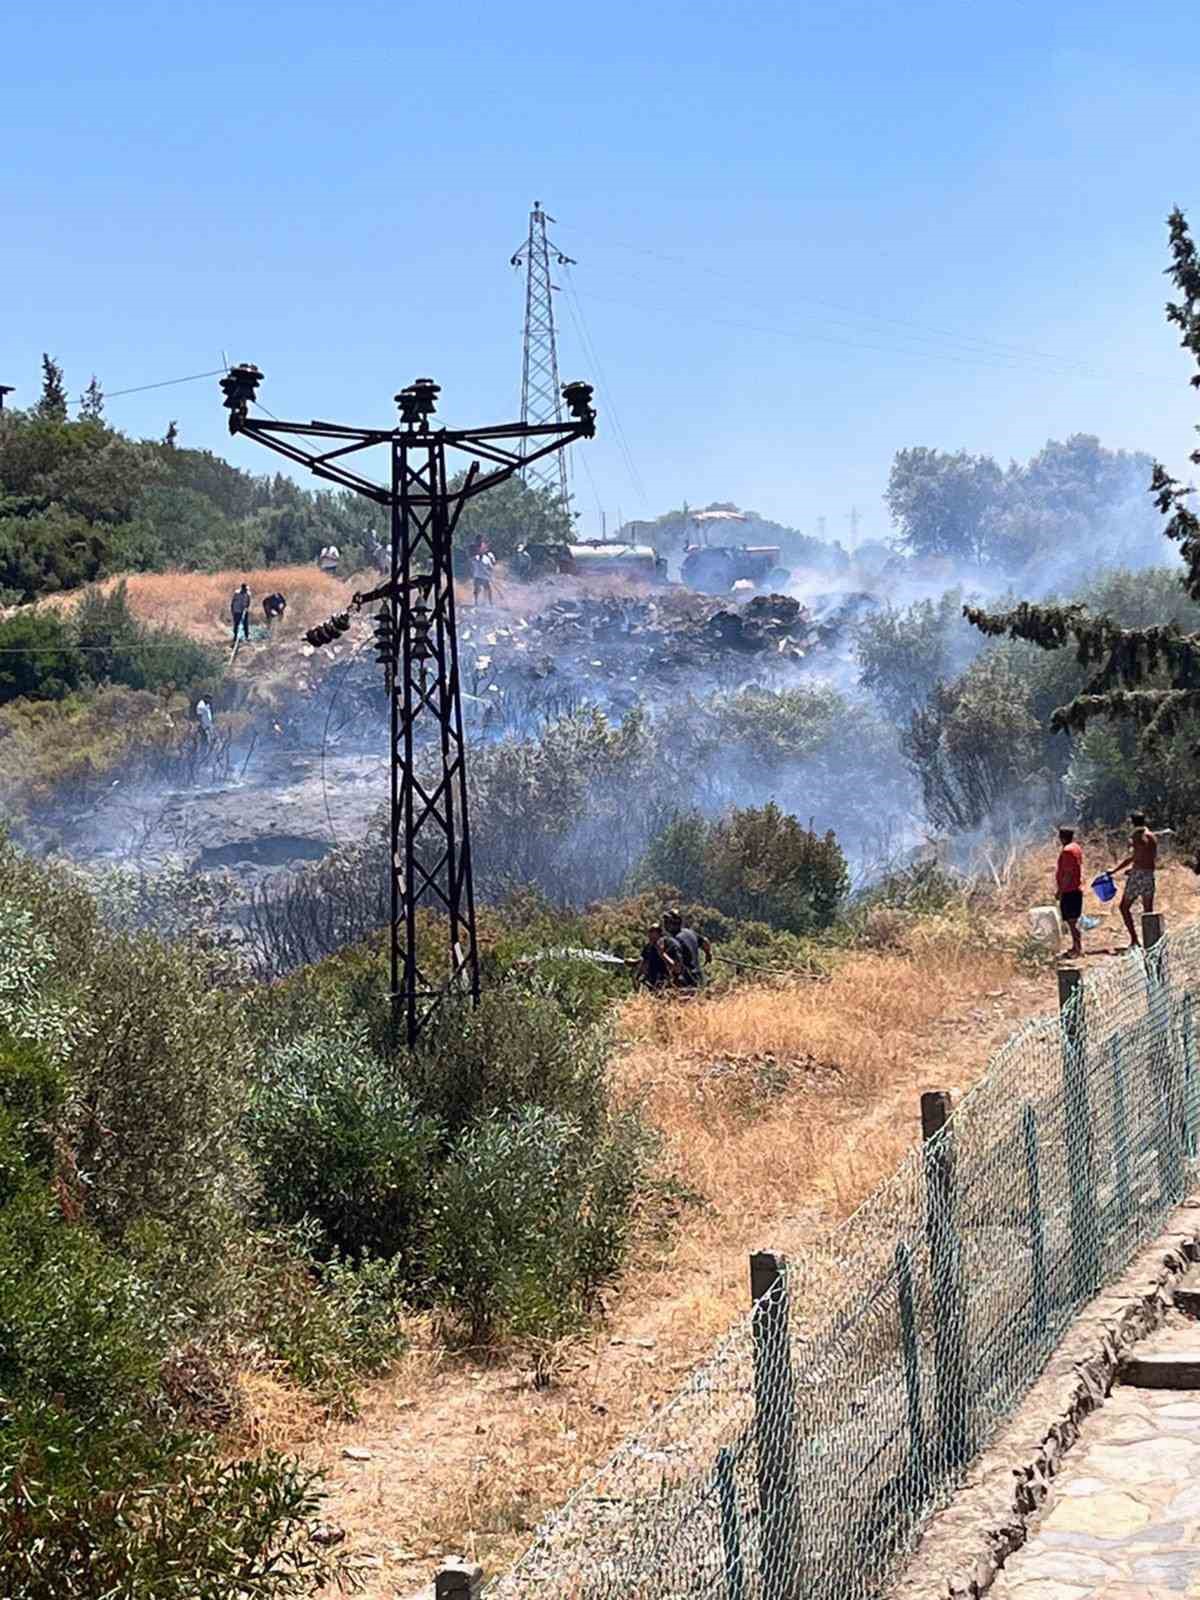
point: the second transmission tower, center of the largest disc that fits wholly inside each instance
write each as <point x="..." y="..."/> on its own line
<point x="540" y="391"/>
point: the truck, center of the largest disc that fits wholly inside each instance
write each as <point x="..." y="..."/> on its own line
<point x="716" y="568"/>
<point x="591" y="558"/>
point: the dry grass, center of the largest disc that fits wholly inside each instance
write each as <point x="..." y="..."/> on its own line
<point x="751" y="1090"/>
<point x="197" y="603"/>
<point x="780" y="1108"/>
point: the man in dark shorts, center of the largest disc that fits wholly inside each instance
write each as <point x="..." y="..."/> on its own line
<point x="658" y="965"/>
<point x="691" y="944"/>
<point x="1141" y="883"/>
<point x="1069" y="885"/>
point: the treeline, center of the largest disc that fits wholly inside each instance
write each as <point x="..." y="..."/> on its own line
<point x="1033" y="520"/>
<point x="80" y="500"/>
<point x="46" y="654"/>
<point x="1074" y="501"/>
<point x="975" y="718"/>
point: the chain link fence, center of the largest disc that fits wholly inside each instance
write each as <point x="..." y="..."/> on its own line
<point x="800" y="1460"/>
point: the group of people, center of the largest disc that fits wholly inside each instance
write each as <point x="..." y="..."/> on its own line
<point x="673" y="957"/>
<point x="1142" y="861"/>
<point x="274" y="606"/>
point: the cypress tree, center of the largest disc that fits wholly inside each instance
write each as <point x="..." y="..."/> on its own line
<point x="52" y="406"/>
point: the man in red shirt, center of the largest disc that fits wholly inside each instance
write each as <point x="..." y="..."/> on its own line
<point x="1069" y="884"/>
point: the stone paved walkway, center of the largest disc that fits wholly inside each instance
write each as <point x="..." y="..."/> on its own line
<point x="1122" y="1520"/>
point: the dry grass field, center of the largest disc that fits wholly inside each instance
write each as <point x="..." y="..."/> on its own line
<point x="780" y="1108"/>
<point x="197" y="603"/>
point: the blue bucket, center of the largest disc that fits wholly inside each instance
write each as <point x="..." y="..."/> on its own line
<point x="1104" y="886"/>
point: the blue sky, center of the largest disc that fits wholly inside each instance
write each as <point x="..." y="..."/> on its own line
<point x="807" y="235"/>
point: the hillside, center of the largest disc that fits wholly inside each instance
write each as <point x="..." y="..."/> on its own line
<point x="781" y="1105"/>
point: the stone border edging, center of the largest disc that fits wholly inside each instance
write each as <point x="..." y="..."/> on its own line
<point x="963" y="1547"/>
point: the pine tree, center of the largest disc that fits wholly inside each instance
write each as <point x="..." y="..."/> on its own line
<point x="91" y="402"/>
<point x="171" y="435"/>
<point x="52" y="407"/>
<point x="1148" y="675"/>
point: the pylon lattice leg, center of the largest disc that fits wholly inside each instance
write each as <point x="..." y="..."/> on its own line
<point x="430" y="839"/>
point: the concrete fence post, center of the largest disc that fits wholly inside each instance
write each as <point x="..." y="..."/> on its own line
<point x="945" y="1269"/>
<point x="458" y="1580"/>
<point x="1123" y="1198"/>
<point x="775" y="1426"/>
<point x="731" y="1526"/>
<point x="1187" y="1044"/>
<point x="1165" y="1068"/>
<point x="1085" y="1233"/>
<point x="910" y="1350"/>
<point x="1153" y="928"/>
<point x="1039" y="1298"/>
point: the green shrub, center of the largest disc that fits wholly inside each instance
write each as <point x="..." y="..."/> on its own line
<point x="335" y="1136"/>
<point x="678" y="855"/>
<point x="75" y="1321"/>
<point x="27" y="964"/>
<point x="975" y="745"/>
<point x="515" y="1049"/>
<point x="32" y="1089"/>
<point x="117" y="648"/>
<point x="758" y="864"/>
<point x="99" y="1508"/>
<point x="528" y="1217"/>
<point x="160" y="1083"/>
<point x="327" y="1322"/>
<point x="38" y="657"/>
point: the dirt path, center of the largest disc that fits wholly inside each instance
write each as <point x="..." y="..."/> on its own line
<point x="450" y="1456"/>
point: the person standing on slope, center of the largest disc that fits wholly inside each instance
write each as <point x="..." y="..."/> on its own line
<point x="1068" y="879"/>
<point x="1141" y="882"/>
<point x="692" y="946"/>
<point x="239" y="609"/>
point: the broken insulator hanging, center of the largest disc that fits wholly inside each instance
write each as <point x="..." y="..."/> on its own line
<point x="327" y="632"/>
<point x="422" y="617"/>
<point x="385" y="637"/>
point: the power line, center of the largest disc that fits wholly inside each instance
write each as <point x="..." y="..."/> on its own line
<point x="921" y="331"/>
<point x="166" y="383"/>
<point x="95" y="649"/>
<point x="979" y="361"/>
<point x="581" y="322"/>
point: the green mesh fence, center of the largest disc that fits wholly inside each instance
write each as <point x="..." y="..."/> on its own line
<point x="800" y="1460"/>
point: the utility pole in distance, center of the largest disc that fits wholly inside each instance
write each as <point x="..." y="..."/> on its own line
<point x="540" y="403"/>
<point x="5" y="388"/>
<point x="417" y="643"/>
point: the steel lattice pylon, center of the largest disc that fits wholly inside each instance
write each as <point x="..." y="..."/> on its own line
<point x="540" y="393"/>
<point x="417" y="642"/>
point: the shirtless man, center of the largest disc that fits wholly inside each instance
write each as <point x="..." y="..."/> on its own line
<point x="1143" y="858"/>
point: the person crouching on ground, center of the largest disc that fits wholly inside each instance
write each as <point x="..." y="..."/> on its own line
<point x="657" y="968"/>
<point x="1140" y="884"/>
<point x="1069" y="885"/>
<point x="273" y="608"/>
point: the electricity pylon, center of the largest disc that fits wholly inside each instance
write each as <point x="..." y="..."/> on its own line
<point x="417" y="644"/>
<point x="540" y="402"/>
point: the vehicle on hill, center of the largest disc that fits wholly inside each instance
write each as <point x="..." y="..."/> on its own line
<point x="590" y="558"/>
<point x="716" y="568"/>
